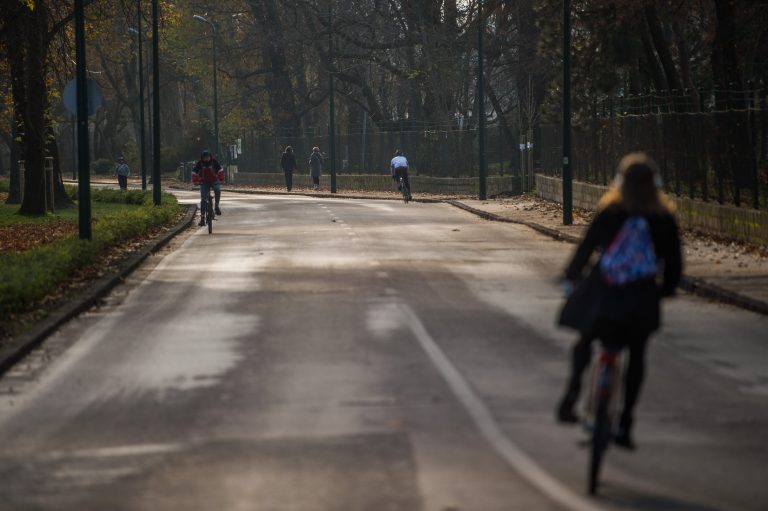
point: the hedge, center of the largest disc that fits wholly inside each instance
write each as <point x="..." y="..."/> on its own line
<point x="27" y="277"/>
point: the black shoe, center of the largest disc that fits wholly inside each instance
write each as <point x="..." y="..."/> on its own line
<point x="565" y="414"/>
<point x="217" y="211"/>
<point x="201" y="223"/>
<point x="622" y="439"/>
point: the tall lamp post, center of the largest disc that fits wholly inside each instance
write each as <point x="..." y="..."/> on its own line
<point x="156" y="191"/>
<point x="332" y="111"/>
<point x="215" y="85"/>
<point x="142" y="145"/>
<point x="567" y="176"/>
<point x="84" y="181"/>
<point x="481" y="104"/>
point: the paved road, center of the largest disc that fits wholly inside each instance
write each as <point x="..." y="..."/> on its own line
<point x="342" y="355"/>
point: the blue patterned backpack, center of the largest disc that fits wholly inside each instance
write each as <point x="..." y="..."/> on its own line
<point x="631" y="256"/>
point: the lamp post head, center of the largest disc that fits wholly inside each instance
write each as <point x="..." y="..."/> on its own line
<point x="200" y="18"/>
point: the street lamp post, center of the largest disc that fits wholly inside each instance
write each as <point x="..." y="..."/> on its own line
<point x="83" y="159"/>
<point x="481" y="104"/>
<point x="331" y="106"/>
<point x="142" y="150"/>
<point x="567" y="176"/>
<point x="156" y="191"/>
<point x="215" y="84"/>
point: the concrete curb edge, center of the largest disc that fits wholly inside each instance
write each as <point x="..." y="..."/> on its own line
<point x="692" y="285"/>
<point x="320" y="195"/>
<point x="19" y="347"/>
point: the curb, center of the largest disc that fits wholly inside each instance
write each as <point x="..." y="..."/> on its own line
<point x="693" y="285"/>
<point x="322" y="195"/>
<point x="18" y="348"/>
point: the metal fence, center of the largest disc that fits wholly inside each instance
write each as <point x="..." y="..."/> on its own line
<point x="707" y="148"/>
<point x="437" y="151"/>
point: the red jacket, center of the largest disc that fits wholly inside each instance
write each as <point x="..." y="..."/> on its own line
<point x="207" y="173"/>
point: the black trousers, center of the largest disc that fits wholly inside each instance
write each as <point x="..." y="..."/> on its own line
<point x="615" y="335"/>
<point x="316" y="180"/>
<point x="288" y="180"/>
<point x="123" y="181"/>
<point x="401" y="171"/>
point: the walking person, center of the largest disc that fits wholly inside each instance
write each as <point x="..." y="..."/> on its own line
<point x="122" y="172"/>
<point x="288" y="164"/>
<point x="316" y="167"/>
<point x="636" y="235"/>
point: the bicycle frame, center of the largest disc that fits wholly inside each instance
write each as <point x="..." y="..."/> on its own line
<point x="606" y="377"/>
<point x="601" y="408"/>
<point x="404" y="189"/>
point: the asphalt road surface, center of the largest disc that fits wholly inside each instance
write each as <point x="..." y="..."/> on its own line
<point x="334" y="355"/>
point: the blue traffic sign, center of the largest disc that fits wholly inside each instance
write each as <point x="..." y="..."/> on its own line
<point x="69" y="96"/>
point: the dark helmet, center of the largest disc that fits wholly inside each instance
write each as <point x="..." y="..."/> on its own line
<point x="205" y="153"/>
<point x="398" y="152"/>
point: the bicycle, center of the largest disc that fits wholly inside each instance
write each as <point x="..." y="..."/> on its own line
<point x="405" y="190"/>
<point x="601" y="408"/>
<point x="209" y="212"/>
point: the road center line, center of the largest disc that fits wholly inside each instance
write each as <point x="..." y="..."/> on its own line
<point x="488" y="426"/>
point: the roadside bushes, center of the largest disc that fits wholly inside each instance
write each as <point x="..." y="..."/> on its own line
<point x="27" y="277"/>
<point x="135" y="197"/>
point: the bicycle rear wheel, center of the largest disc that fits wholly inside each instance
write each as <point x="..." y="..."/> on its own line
<point x="209" y="215"/>
<point x="601" y="435"/>
<point x="405" y="190"/>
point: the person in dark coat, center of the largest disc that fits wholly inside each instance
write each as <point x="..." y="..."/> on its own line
<point x="316" y="167"/>
<point x="625" y="315"/>
<point x="288" y="164"/>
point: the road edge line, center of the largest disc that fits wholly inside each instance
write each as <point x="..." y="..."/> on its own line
<point x="487" y="425"/>
<point x="20" y="346"/>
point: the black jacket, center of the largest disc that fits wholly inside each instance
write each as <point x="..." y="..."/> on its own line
<point x="288" y="162"/>
<point x="636" y="303"/>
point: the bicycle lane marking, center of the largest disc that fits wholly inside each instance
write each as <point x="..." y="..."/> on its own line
<point x="488" y="426"/>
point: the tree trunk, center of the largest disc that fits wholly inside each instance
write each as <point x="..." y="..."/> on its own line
<point x="662" y="49"/>
<point x="30" y="35"/>
<point x="14" y="195"/>
<point x="278" y="83"/>
<point x="732" y="126"/>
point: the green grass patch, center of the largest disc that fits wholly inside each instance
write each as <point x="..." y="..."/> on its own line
<point x="27" y="277"/>
<point x="5" y="185"/>
<point x="9" y="213"/>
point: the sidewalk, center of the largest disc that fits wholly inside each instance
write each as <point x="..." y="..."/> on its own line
<point x="734" y="273"/>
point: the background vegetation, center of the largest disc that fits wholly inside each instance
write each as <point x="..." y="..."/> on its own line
<point x="405" y="73"/>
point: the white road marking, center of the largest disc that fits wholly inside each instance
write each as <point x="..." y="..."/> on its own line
<point x="114" y="451"/>
<point x="488" y="426"/>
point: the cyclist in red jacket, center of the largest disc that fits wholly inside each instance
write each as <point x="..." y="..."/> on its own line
<point x="208" y="173"/>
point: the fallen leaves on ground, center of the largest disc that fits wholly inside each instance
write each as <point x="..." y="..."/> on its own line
<point x="21" y="237"/>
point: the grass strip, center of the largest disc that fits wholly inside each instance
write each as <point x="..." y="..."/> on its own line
<point x="27" y="277"/>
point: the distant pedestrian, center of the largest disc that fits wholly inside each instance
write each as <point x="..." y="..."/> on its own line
<point x="288" y="163"/>
<point x="122" y="172"/>
<point x="316" y="167"/>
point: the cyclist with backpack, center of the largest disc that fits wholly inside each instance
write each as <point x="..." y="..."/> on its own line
<point x="208" y="173"/>
<point x="637" y="236"/>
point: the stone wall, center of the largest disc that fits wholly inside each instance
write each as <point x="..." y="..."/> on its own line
<point x="379" y="182"/>
<point x="727" y="221"/>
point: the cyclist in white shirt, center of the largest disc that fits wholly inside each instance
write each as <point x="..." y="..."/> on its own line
<point x="399" y="167"/>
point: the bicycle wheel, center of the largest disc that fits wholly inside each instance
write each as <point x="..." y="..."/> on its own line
<point x="404" y="190"/>
<point x="601" y="435"/>
<point x="209" y="215"/>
